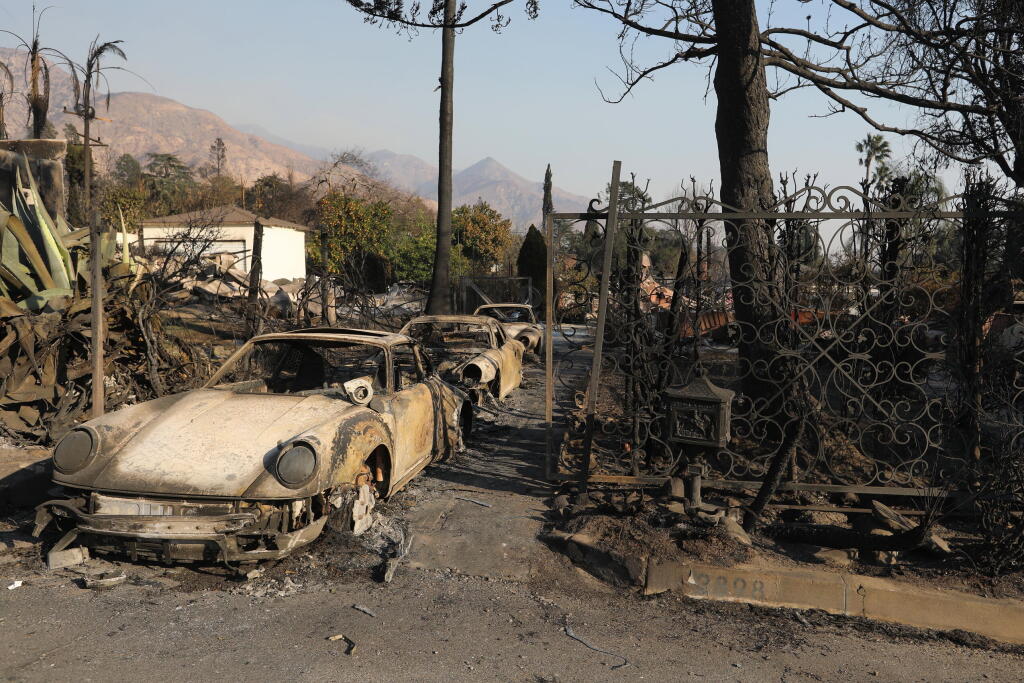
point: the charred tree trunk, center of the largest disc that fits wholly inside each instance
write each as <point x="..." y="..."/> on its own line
<point x="974" y="247"/>
<point x="38" y="99"/>
<point x="780" y="464"/>
<point x="253" y="317"/>
<point x="440" y="285"/>
<point x="741" y="127"/>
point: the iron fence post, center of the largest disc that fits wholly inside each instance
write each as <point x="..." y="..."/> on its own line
<point x="611" y="224"/>
<point x="549" y="324"/>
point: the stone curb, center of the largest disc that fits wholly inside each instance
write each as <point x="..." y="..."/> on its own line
<point x="850" y="595"/>
<point x="845" y="594"/>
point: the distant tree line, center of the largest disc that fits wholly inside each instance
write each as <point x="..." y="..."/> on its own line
<point x="384" y="233"/>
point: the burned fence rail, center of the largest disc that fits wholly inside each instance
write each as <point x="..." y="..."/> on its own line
<point x="883" y="323"/>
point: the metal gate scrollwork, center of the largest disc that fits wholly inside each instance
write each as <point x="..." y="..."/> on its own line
<point x="864" y="307"/>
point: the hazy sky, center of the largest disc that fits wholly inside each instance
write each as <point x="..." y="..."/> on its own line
<point x="312" y="71"/>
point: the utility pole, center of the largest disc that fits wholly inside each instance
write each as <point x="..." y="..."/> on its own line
<point x="87" y="113"/>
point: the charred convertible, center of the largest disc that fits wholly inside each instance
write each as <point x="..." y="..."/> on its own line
<point x="472" y="351"/>
<point x="296" y="431"/>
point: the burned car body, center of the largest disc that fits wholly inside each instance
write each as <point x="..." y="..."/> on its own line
<point x="519" y="322"/>
<point x="294" y="430"/>
<point x="472" y="351"/>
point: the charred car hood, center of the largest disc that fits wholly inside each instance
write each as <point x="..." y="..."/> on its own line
<point x="207" y="443"/>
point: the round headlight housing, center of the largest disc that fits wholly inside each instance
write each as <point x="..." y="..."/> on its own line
<point x="74" y="451"/>
<point x="296" y="465"/>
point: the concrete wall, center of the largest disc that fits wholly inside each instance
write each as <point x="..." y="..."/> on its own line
<point x="284" y="253"/>
<point x="284" y="249"/>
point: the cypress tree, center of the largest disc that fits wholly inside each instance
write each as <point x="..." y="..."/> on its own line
<point x="532" y="261"/>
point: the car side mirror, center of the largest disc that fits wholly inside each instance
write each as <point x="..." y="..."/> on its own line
<point x="359" y="390"/>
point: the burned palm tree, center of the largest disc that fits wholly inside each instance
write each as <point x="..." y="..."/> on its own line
<point x="6" y="91"/>
<point x="37" y="73"/>
<point x="89" y="78"/>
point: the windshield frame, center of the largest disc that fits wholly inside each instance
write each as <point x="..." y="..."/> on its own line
<point x="299" y="339"/>
<point x="531" y="315"/>
<point x="489" y="324"/>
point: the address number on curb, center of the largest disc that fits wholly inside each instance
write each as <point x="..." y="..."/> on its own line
<point x="725" y="586"/>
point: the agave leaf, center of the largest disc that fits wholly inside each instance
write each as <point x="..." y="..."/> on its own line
<point x="17" y="228"/>
<point x="56" y="254"/>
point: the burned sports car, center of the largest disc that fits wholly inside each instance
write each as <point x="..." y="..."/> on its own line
<point x="472" y="351"/>
<point x="295" y="431"/>
<point x="519" y="322"/>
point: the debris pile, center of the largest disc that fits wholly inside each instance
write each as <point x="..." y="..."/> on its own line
<point x="615" y="533"/>
<point x="220" y="280"/>
<point x="45" y="318"/>
<point x="46" y="369"/>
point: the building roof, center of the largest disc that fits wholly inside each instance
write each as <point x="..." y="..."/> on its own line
<point x="221" y="216"/>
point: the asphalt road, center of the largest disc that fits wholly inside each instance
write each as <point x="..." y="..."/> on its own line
<point x="477" y="598"/>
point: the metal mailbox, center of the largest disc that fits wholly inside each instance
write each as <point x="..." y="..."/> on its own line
<point x="699" y="413"/>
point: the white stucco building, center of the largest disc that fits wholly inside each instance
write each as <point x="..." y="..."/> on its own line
<point x="284" y="242"/>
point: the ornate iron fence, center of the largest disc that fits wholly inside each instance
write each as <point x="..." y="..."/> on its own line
<point x="879" y="322"/>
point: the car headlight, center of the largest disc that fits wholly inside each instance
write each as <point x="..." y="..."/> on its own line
<point x="296" y="465"/>
<point x="74" y="451"/>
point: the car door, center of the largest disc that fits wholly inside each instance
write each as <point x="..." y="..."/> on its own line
<point x="413" y="407"/>
<point x="510" y="352"/>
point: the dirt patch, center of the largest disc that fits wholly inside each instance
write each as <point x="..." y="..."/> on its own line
<point x="714" y="546"/>
<point x="637" y="527"/>
<point x="627" y="536"/>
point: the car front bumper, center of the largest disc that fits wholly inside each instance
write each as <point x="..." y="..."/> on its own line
<point x="181" y="530"/>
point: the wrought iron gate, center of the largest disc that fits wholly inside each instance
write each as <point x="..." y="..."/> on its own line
<point x="870" y="320"/>
<point x="474" y="291"/>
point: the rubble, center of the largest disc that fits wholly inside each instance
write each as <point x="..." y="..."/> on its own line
<point x="348" y="641"/>
<point x="897" y="522"/>
<point x="883" y="557"/>
<point x="59" y="559"/>
<point x="105" y="581"/>
<point x="365" y="610"/>
<point x="835" y="557"/>
<point x="734" y="531"/>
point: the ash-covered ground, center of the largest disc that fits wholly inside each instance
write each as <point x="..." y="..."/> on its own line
<point x="477" y="595"/>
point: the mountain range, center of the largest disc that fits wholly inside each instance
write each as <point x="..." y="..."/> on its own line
<point x="141" y="123"/>
<point x="512" y="195"/>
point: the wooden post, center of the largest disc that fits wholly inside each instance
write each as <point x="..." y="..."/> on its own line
<point x="255" y="280"/>
<point x="549" y="339"/>
<point x="96" y="283"/>
<point x="324" y="283"/>
<point x="95" y="263"/>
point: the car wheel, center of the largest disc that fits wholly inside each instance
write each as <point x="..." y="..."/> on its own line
<point x="354" y="512"/>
